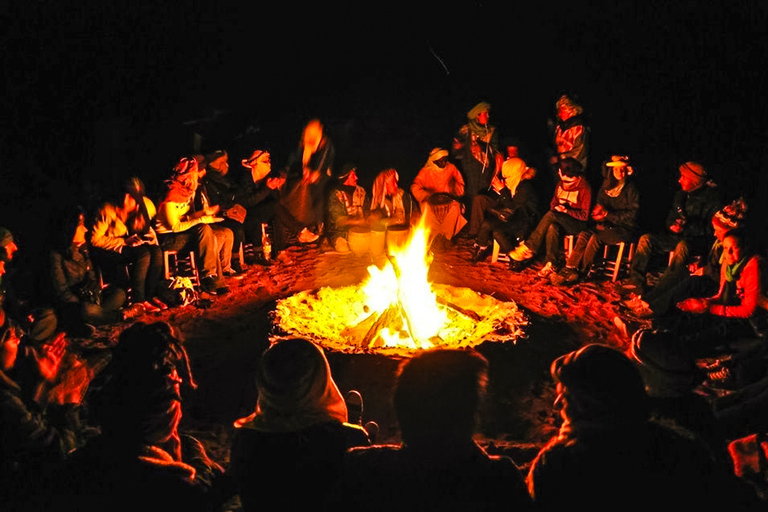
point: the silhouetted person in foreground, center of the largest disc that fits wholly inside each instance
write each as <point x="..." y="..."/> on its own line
<point x="141" y="461"/>
<point x="438" y="466"/>
<point x="288" y="453"/>
<point x="610" y="455"/>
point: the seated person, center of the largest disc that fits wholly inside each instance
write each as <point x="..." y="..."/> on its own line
<point x="260" y="194"/>
<point x="728" y="315"/>
<point x="689" y="229"/>
<point x="180" y="227"/>
<point x="298" y="433"/>
<point x="32" y="438"/>
<point x="568" y="214"/>
<point x="216" y="187"/>
<point x="140" y="460"/>
<point x="614" y="216"/>
<point x="438" y="188"/>
<point x="390" y="204"/>
<point x="514" y="214"/>
<point x="438" y="466"/>
<point x="78" y="298"/>
<point x="703" y="277"/>
<point x="489" y="197"/>
<point x="610" y="451"/>
<point x="122" y="235"/>
<point x="347" y="207"/>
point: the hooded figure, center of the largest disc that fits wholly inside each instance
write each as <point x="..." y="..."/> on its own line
<point x="298" y="432"/>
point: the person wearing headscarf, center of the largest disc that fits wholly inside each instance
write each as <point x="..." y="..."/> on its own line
<point x="140" y="460"/>
<point x="614" y="220"/>
<point x="689" y="228"/>
<point x="571" y="132"/>
<point x="514" y="215"/>
<point x="179" y="226"/>
<point x="347" y="206"/>
<point x="298" y="432"/>
<point x="476" y="148"/>
<point x="390" y="204"/>
<point x="438" y="188"/>
<point x="609" y="450"/>
<point x="123" y="238"/>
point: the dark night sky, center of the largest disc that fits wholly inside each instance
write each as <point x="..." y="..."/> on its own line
<point x="96" y="92"/>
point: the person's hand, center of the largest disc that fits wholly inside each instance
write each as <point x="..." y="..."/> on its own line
<point x="133" y="240"/>
<point x="677" y="227"/>
<point x="599" y="212"/>
<point x="560" y="208"/>
<point x="497" y="185"/>
<point x="211" y="210"/>
<point x="694" y="305"/>
<point x="52" y="353"/>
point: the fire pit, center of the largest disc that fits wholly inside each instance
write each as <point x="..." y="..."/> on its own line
<point x="397" y="311"/>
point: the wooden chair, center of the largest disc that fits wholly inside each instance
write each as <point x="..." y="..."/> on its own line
<point x="623" y="258"/>
<point x="182" y="265"/>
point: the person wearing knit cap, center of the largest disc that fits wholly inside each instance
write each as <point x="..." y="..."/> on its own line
<point x="515" y="213"/>
<point x="218" y="188"/>
<point x="614" y="219"/>
<point x="476" y="148"/>
<point x="689" y="230"/>
<point x="438" y="188"/>
<point x="702" y="277"/>
<point x="298" y="433"/>
<point x="571" y="132"/>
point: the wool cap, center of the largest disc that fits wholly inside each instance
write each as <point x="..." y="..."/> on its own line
<point x="694" y="171"/>
<point x="732" y="216"/>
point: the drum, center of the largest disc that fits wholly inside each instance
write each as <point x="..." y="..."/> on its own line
<point x="397" y="237"/>
<point x="359" y="239"/>
<point x="378" y="240"/>
<point x="440" y="205"/>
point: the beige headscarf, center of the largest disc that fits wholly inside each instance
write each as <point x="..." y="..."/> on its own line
<point x="296" y="389"/>
<point x="512" y="171"/>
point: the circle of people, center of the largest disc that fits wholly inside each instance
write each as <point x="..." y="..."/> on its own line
<point x="303" y="430"/>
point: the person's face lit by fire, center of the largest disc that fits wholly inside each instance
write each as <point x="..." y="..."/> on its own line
<point x="620" y="172"/>
<point x="10" y="249"/>
<point x="80" y="231"/>
<point x="719" y="230"/>
<point x="441" y="162"/>
<point x="313" y="133"/>
<point x="512" y="152"/>
<point x="731" y="250"/>
<point x="686" y="183"/>
<point x="563" y="112"/>
<point x="129" y="205"/>
<point x="483" y="117"/>
<point x="568" y="181"/>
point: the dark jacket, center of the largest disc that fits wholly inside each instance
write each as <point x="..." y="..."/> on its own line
<point x="311" y="459"/>
<point x="393" y="477"/>
<point x="72" y="274"/>
<point x="219" y="188"/>
<point x="622" y="209"/>
<point x="251" y="194"/>
<point x="696" y="209"/>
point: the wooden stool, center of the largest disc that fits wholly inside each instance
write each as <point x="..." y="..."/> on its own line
<point x="181" y="266"/>
<point x="568" y="245"/>
<point x="613" y="266"/>
<point x="495" y="256"/>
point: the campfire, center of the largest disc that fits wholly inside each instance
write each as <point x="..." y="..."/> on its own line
<point x="397" y="311"/>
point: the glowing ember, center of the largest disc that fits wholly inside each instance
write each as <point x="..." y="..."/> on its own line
<point x="397" y="311"/>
